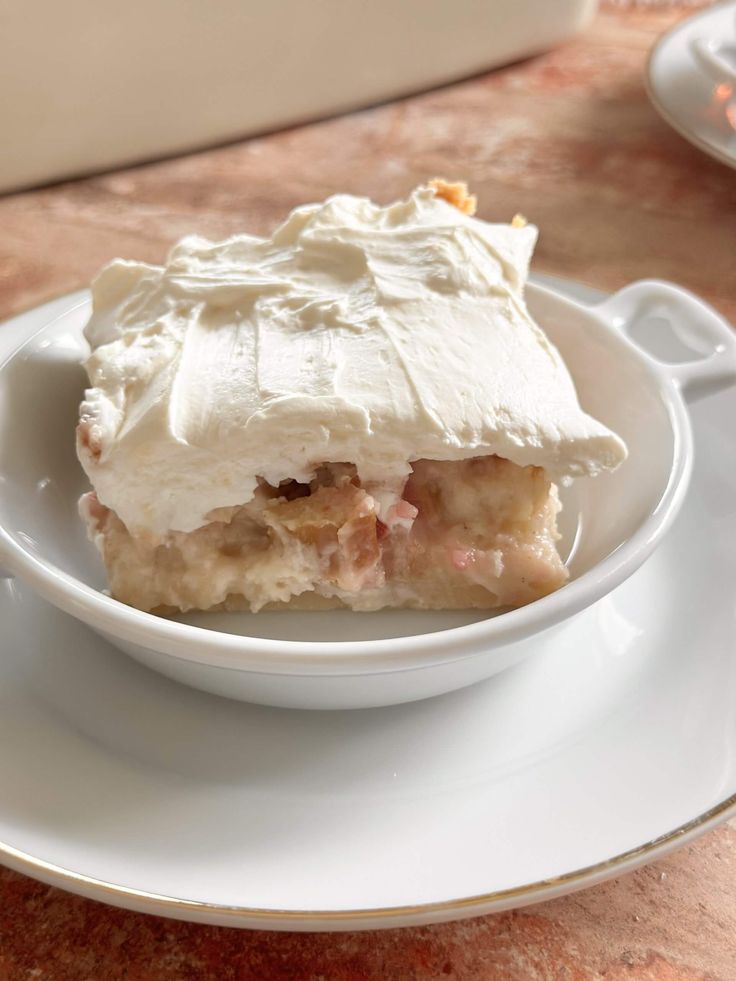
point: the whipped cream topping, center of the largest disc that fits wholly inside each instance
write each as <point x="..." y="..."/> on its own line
<point x="355" y="333"/>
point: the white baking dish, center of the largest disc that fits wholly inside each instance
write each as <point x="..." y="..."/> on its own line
<point x="88" y="86"/>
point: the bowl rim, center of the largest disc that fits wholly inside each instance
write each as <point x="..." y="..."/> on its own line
<point x="216" y="648"/>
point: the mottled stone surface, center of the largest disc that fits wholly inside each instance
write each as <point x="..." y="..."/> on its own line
<point x="570" y="140"/>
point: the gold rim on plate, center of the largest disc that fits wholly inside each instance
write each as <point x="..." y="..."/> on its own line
<point x="138" y="899"/>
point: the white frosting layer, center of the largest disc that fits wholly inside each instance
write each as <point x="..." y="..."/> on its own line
<point x="360" y="334"/>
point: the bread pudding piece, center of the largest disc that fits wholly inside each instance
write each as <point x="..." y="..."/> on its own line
<point x="225" y="385"/>
<point x="469" y="533"/>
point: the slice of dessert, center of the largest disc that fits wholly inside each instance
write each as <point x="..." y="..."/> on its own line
<point x="356" y="411"/>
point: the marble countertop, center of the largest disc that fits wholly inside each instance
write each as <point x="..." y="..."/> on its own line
<point x="570" y="140"/>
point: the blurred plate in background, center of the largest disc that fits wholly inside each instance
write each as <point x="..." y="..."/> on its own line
<point x="695" y="100"/>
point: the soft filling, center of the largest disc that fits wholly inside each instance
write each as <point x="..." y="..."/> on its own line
<point x="470" y="533"/>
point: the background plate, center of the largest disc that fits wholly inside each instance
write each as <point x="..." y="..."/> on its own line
<point x="689" y="100"/>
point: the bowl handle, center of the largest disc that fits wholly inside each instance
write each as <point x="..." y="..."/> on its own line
<point x="687" y="316"/>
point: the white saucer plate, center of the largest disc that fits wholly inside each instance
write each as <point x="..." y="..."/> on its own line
<point x="701" y="107"/>
<point x="609" y="747"/>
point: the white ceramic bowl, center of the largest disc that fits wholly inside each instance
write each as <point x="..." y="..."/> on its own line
<point x="341" y="659"/>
